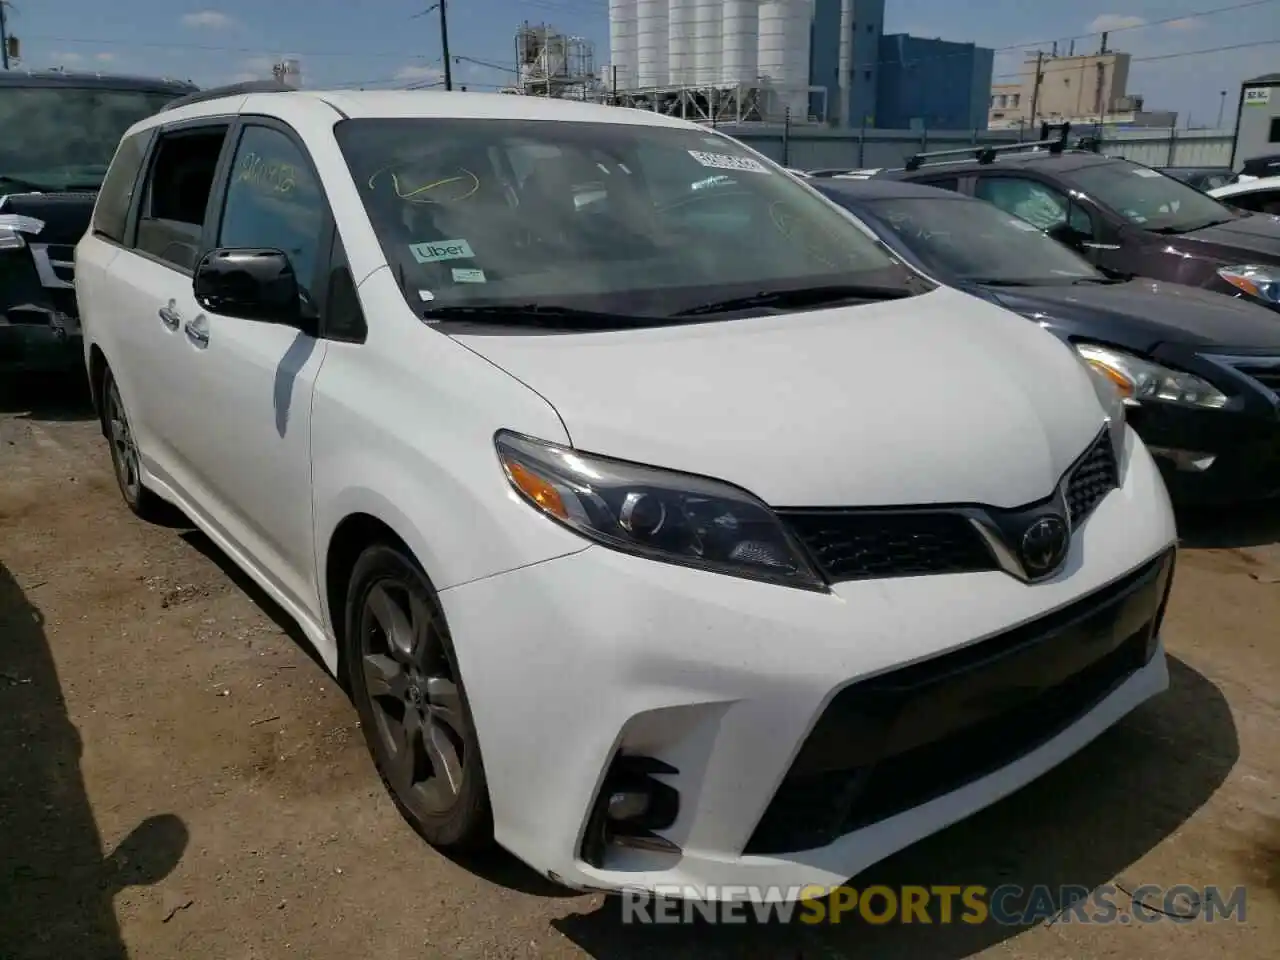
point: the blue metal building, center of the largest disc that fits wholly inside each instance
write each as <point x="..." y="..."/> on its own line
<point x="866" y="26"/>
<point x="934" y="84"/>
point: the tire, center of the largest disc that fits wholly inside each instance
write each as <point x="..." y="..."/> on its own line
<point x="402" y="672"/>
<point x="125" y="460"/>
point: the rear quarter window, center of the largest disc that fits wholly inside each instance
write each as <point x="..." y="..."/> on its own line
<point x="111" y="214"/>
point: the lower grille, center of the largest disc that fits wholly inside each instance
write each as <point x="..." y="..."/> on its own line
<point x="898" y="740"/>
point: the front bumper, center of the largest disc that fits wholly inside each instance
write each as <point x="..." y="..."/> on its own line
<point x="39" y="348"/>
<point x="1243" y="451"/>
<point x="570" y="662"/>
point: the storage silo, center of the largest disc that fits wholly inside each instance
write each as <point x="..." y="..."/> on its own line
<point x="707" y="25"/>
<point x="739" y="47"/>
<point x="622" y="41"/>
<point x="680" y="42"/>
<point x="651" y="43"/>
<point x="784" y="53"/>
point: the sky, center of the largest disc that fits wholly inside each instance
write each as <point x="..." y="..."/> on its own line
<point x="386" y="43"/>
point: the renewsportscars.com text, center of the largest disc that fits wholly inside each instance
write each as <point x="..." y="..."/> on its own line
<point x="1007" y="905"/>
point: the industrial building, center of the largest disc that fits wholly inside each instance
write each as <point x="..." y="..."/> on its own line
<point x="821" y="61"/>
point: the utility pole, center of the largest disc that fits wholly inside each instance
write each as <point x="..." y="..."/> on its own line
<point x="444" y="47"/>
<point x="4" y="35"/>
<point x="1222" y="104"/>
<point x="1035" y="85"/>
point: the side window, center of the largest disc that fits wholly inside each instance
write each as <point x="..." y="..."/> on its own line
<point x="273" y="200"/>
<point x="1034" y="202"/>
<point x="111" y="214"/>
<point x="177" y="195"/>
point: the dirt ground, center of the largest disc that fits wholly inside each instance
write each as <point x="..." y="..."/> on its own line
<point x="179" y="778"/>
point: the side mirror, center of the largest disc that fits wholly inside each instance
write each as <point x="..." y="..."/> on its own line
<point x="250" y="283"/>
<point x="1066" y="234"/>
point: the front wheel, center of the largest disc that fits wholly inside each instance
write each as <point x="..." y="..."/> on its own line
<point x="408" y="692"/>
<point x="125" y="460"/>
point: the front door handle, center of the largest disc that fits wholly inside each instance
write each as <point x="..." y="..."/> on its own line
<point x="197" y="332"/>
<point x="169" y="316"/>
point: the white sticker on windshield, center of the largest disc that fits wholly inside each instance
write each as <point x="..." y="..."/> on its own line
<point x="1146" y="172"/>
<point x="1023" y="225"/>
<point x="467" y="276"/>
<point x="426" y="296"/>
<point x="438" y="250"/>
<point x="723" y="161"/>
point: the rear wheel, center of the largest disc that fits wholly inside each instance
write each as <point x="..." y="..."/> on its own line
<point x="404" y="678"/>
<point x="124" y="452"/>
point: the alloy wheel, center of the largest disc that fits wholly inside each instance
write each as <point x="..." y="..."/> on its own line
<point x="420" y="723"/>
<point x="124" y="450"/>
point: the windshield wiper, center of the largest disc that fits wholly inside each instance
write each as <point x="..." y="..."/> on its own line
<point x="1178" y="231"/>
<point x="1105" y="281"/>
<point x="798" y="297"/>
<point x="999" y="282"/>
<point x="539" y="314"/>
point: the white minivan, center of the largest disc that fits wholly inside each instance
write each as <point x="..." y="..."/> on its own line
<point x="662" y="525"/>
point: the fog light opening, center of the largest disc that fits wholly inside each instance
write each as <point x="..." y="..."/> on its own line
<point x="1188" y="461"/>
<point x="631" y="806"/>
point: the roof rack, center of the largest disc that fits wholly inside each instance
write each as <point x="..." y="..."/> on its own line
<point x="988" y="154"/>
<point x="230" y="90"/>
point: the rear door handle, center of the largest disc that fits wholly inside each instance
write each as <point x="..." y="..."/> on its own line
<point x="169" y="316"/>
<point x="197" y="332"/>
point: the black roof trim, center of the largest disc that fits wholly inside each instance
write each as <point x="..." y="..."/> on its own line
<point x="230" y="90"/>
<point x="94" y="81"/>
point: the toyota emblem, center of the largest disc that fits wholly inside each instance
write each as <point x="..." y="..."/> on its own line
<point x="1044" y="545"/>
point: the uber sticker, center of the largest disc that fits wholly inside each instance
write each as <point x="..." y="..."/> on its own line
<point x="438" y="250"/>
<point x="723" y="161"/>
<point x="467" y="276"/>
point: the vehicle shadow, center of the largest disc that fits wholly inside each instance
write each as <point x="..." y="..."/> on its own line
<point x="50" y="398"/>
<point x="495" y="865"/>
<point x="1081" y="825"/>
<point x="56" y="887"/>
<point x="1224" y="528"/>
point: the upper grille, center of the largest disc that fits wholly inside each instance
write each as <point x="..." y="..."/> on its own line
<point x="1094" y="476"/>
<point x="1265" y="370"/>
<point x="853" y="545"/>
<point x="860" y="544"/>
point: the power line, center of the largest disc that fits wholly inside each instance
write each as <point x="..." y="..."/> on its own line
<point x="1148" y="59"/>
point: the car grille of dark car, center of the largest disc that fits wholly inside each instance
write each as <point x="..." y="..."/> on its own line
<point x="858" y="544"/>
<point x="1263" y="370"/>
<point x="897" y="740"/>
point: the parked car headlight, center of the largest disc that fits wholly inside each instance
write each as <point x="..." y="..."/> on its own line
<point x="1140" y="380"/>
<point x="658" y="514"/>
<point x="1260" y="282"/>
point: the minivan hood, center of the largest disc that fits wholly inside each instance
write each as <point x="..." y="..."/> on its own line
<point x="940" y="398"/>
<point x="1141" y="313"/>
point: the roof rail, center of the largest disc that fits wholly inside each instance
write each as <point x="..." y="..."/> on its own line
<point x="988" y="154"/>
<point x="230" y="90"/>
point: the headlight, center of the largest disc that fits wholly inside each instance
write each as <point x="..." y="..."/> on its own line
<point x="658" y="514"/>
<point x="1140" y="380"/>
<point x="1260" y="282"/>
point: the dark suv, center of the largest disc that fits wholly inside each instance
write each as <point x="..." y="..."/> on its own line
<point x="1127" y="219"/>
<point x="60" y="133"/>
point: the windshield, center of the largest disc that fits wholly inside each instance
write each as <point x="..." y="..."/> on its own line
<point x="56" y="138"/>
<point x="974" y="240"/>
<point x="635" y="219"/>
<point x="1147" y="198"/>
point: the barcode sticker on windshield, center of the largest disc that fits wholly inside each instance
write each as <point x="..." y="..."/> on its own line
<point x="1145" y="172"/>
<point x="467" y="276"/>
<point x="723" y="161"/>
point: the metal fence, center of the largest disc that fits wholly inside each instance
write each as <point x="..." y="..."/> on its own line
<point x="810" y="148"/>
